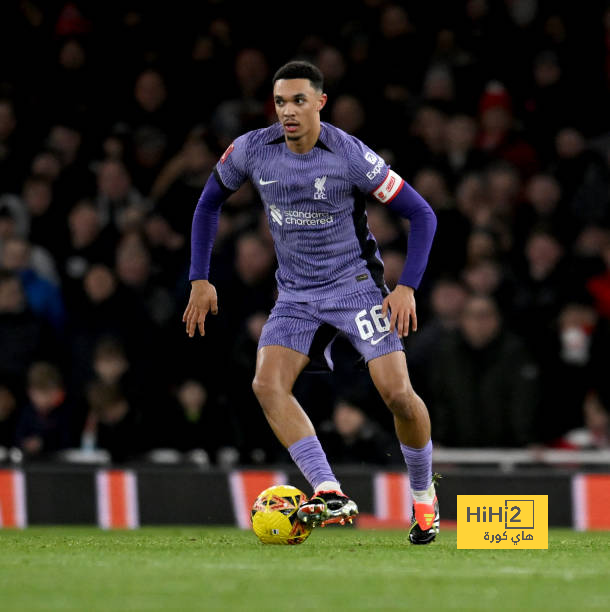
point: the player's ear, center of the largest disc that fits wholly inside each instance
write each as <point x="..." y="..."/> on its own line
<point x="322" y="101"/>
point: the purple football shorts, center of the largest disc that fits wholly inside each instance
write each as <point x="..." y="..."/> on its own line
<point x="311" y="327"/>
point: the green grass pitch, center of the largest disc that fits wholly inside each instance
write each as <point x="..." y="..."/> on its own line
<point x="345" y="569"/>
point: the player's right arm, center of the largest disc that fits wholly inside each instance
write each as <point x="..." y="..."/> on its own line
<point x="228" y="175"/>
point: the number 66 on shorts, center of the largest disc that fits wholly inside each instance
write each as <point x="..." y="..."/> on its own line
<point x="365" y="327"/>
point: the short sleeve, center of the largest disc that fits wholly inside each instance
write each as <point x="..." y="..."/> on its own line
<point x="367" y="169"/>
<point x="231" y="167"/>
<point x="370" y="173"/>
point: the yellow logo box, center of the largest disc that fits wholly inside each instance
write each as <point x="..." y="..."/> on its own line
<point x="503" y="521"/>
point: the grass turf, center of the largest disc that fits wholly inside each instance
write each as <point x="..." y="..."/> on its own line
<point x="86" y="569"/>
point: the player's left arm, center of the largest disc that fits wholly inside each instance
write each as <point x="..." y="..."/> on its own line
<point x="366" y="168"/>
<point x="403" y="199"/>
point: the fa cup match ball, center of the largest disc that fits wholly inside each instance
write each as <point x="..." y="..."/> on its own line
<point x="274" y="516"/>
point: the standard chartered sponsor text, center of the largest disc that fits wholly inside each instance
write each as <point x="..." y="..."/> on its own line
<point x="299" y="217"/>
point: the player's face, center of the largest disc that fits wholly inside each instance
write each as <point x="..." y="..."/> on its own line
<point x="298" y="105"/>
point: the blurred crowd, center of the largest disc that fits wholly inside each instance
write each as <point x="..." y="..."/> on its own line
<point x="112" y="117"/>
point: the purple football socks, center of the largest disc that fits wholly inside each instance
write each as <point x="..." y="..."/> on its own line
<point x="419" y="465"/>
<point x="310" y="458"/>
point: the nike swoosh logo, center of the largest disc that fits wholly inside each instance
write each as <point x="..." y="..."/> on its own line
<point x="377" y="340"/>
<point x="261" y="182"/>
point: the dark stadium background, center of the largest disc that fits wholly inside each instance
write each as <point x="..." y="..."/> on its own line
<point x="112" y="116"/>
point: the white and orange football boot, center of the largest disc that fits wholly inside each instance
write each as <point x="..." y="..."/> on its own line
<point x="425" y="520"/>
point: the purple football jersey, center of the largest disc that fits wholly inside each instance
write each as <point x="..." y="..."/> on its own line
<point x="315" y="204"/>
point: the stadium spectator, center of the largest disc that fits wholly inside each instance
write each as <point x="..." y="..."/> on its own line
<point x="498" y="136"/>
<point x="104" y="309"/>
<point x="75" y="179"/>
<point x="167" y="249"/>
<point x="43" y="297"/>
<point x="483" y="243"/>
<point x="471" y="199"/>
<point x="461" y="154"/>
<point x="46" y="222"/>
<point x="543" y="117"/>
<point x="186" y="425"/>
<point x="112" y="367"/>
<point x="146" y="397"/>
<point x="46" y="162"/>
<point x="543" y="209"/>
<point x="484" y="385"/>
<point x="12" y="229"/>
<point x="251" y="288"/>
<point x="566" y="374"/>
<point x="597" y="421"/>
<point x="439" y="84"/>
<point x="398" y="37"/>
<point x="136" y="279"/>
<point x="586" y="253"/>
<point x="209" y="62"/>
<point x="583" y="174"/>
<point x="44" y="425"/>
<point x="490" y="277"/>
<point x="24" y="336"/>
<point x="542" y="289"/>
<point x="71" y="84"/>
<point x="348" y="114"/>
<point x="427" y="146"/>
<point x="13" y="217"/>
<point x="150" y="106"/>
<point x="192" y="420"/>
<point x="112" y="423"/>
<point x="446" y="302"/>
<point x="351" y="437"/>
<point x="331" y="62"/>
<point x="119" y="203"/>
<point x="247" y="110"/>
<point x="503" y="186"/>
<point x="87" y="243"/>
<point x="181" y="181"/>
<point x="149" y="150"/>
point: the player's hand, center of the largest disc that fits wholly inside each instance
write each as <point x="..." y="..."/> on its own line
<point x="203" y="299"/>
<point x="401" y="304"/>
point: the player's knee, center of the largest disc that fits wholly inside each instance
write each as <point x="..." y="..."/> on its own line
<point x="260" y="387"/>
<point x="404" y="403"/>
<point x="264" y="388"/>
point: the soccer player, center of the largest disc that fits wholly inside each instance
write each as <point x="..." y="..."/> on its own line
<point x="313" y="179"/>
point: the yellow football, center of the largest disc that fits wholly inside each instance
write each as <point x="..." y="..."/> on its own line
<point x="274" y="516"/>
